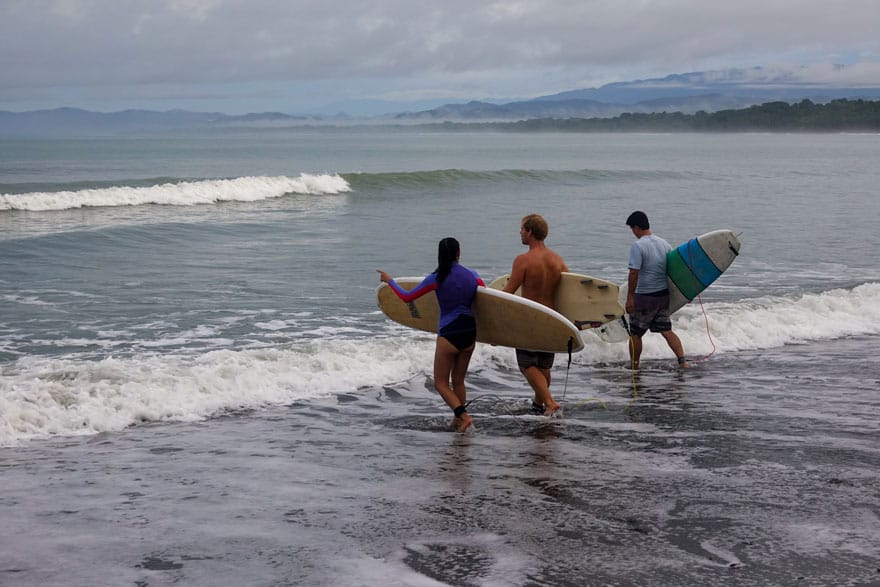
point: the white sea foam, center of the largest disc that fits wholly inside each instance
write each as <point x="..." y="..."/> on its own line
<point x="775" y="321"/>
<point x="184" y="193"/>
<point x="760" y="323"/>
<point x="43" y="396"/>
<point x="49" y="396"/>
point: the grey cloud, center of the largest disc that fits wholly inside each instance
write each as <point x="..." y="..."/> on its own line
<point x="81" y="43"/>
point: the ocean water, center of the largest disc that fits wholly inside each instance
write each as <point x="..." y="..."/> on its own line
<point x="196" y="386"/>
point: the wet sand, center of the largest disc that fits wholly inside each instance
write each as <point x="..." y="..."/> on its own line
<point x="750" y="469"/>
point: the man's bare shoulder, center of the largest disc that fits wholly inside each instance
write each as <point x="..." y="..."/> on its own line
<point x="562" y="264"/>
<point x="554" y="258"/>
<point x="526" y="258"/>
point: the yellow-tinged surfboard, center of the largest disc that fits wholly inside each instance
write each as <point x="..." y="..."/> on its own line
<point x="588" y="302"/>
<point x="502" y="319"/>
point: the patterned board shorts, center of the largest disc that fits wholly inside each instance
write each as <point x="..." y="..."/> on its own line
<point x="651" y="313"/>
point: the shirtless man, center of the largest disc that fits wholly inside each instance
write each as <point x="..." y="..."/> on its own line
<point x="538" y="272"/>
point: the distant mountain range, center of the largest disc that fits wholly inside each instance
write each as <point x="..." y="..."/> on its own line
<point x="686" y="93"/>
<point x="557" y="107"/>
<point x="75" y="121"/>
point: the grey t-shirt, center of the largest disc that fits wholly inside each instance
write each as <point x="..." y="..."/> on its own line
<point x="648" y="255"/>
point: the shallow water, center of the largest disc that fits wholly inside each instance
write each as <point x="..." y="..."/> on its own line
<point x="668" y="477"/>
<point x="202" y="391"/>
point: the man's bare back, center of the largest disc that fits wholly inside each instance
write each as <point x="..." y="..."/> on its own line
<point x="538" y="272"/>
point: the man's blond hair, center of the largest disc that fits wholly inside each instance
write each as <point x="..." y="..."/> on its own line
<point x="536" y="224"/>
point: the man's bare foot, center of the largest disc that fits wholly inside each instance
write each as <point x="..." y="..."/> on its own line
<point x="683" y="363"/>
<point x="634" y="365"/>
<point x="552" y="410"/>
<point x="463" y="422"/>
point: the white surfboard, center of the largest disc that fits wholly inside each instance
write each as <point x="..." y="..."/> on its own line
<point x="587" y="301"/>
<point x="691" y="267"/>
<point x="502" y="319"/>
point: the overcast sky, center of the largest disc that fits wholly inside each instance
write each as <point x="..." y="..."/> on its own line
<point x="310" y="56"/>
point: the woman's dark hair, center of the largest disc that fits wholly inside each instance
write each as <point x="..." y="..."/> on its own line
<point x="447" y="254"/>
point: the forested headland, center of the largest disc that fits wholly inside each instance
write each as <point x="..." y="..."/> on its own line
<point x="805" y="116"/>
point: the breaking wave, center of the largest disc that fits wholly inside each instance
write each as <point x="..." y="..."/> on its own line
<point x="182" y="193"/>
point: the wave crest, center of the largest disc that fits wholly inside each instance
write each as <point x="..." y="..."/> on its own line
<point x="441" y="177"/>
<point x="183" y="193"/>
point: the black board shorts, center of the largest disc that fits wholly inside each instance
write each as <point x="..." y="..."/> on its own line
<point x="541" y="360"/>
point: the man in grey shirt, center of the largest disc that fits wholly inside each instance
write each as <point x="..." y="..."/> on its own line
<point x="647" y="300"/>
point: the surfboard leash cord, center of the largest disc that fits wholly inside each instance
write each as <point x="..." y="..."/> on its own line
<point x="702" y="307"/>
<point x="567" y="368"/>
<point x="500" y="400"/>
<point x="735" y="252"/>
<point x="708" y="332"/>
<point x="564" y="387"/>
